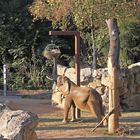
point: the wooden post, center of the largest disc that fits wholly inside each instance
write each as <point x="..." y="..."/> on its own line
<point x="76" y="35"/>
<point x="114" y="73"/>
<point x="77" y="57"/>
<point x="77" y="66"/>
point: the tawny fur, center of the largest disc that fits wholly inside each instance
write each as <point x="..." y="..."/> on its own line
<point x="84" y="98"/>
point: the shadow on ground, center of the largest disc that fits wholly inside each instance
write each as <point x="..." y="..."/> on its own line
<point x="130" y="119"/>
<point x="94" y="138"/>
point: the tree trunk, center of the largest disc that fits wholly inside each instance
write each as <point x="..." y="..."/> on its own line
<point x="94" y="51"/>
<point x="54" y="73"/>
<point x="94" y="57"/>
<point x="114" y="73"/>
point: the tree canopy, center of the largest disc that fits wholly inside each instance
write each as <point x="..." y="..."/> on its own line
<point x="24" y="26"/>
<point x="88" y="17"/>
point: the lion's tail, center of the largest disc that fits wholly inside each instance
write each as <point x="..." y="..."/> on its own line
<point x="101" y="104"/>
<point x="102" y="108"/>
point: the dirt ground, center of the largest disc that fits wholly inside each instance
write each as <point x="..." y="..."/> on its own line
<point x="50" y="125"/>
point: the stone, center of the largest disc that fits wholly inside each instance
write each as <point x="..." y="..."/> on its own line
<point x="137" y="89"/>
<point x="92" y="85"/>
<point x="1" y="138"/>
<point x="85" y="73"/>
<point x="105" y="80"/>
<point x="61" y="69"/>
<point x="71" y="74"/>
<point x="85" y="76"/>
<point x="129" y="81"/>
<point x="135" y="102"/>
<point x="2" y="107"/>
<point x="99" y="72"/>
<point x="95" y="83"/>
<point x="134" y="68"/>
<point x="105" y="98"/>
<point x="137" y="79"/>
<point x="94" y="73"/>
<point x="18" y="125"/>
<point x="101" y="90"/>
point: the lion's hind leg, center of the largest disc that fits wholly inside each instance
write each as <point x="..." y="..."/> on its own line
<point x="94" y="108"/>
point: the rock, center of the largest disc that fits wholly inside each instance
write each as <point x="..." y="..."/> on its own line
<point x="137" y="79"/>
<point x="105" y="98"/>
<point x="1" y="138"/>
<point x="85" y="73"/>
<point x="101" y="90"/>
<point x="129" y="81"/>
<point x="134" y="68"/>
<point x="105" y="80"/>
<point x="137" y="89"/>
<point x="2" y="107"/>
<point x="94" y="73"/>
<point x="61" y="69"/>
<point x="99" y="72"/>
<point x="18" y="125"/>
<point x="85" y="76"/>
<point x="95" y="83"/>
<point x="71" y="74"/>
<point x="135" y="102"/>
<point x="92" y="85"/>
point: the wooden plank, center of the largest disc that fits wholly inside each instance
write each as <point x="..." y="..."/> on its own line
<point x="65" y="33"/>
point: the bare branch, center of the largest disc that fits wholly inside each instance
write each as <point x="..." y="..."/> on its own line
<point x="49" y="78"/>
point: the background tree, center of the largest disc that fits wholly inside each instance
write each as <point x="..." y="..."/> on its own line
<point x="23" y="36"/>
<point x="21" y="44"/>
<point x="88" y="17"/>
<point x="130" y="45"/>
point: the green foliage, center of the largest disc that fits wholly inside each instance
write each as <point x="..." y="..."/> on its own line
<point x="23" y="39"/>
<point x="88" y="16"/>
<point x="130" y="44"/>
<point x="91" y="15"/>
<point x="21" y="44"/>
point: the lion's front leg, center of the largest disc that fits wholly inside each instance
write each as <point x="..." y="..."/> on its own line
<point x="73" y="117"/>
<point x="67" y="106"/>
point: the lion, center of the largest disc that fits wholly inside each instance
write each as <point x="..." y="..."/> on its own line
<point x="84" y="98"/>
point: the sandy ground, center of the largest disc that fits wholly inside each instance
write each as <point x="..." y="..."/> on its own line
<point x="50" y="125"/>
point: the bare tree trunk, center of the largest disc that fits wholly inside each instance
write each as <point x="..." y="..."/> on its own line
<point x="114" y="73"/>
<point x="54" y="73"/>
<point x="94" y="61"/>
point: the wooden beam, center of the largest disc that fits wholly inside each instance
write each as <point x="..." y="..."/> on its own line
<point x="65" y="33"/>
<point x="76" y="35"/>
<point x="77" y="66"/>
<point x="77" y="57"/>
